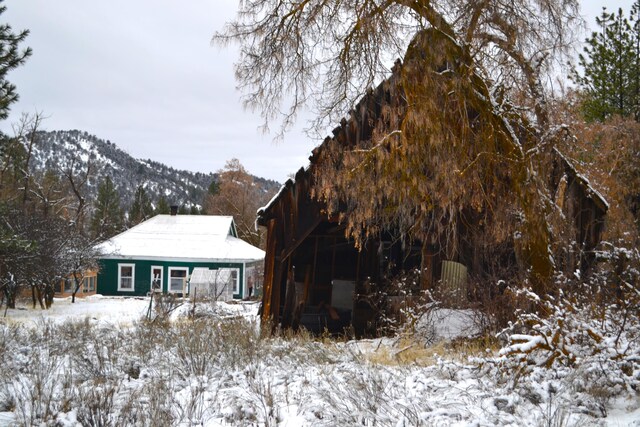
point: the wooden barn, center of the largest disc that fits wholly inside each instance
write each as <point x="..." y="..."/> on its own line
<point x="316" y="277"/>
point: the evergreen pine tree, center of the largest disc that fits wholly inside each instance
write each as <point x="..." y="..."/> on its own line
<point x="635" y="31"/>
<point x="108" y="218"/>
<point x="10" y="58"/>
<point x="11" y="152"/>
<point x="141" y="208"/>
<point x="163" y="207"/>
<point x="610" y="81"/>
<point x="214" y="188"/>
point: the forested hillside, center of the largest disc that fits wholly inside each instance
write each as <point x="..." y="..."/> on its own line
<point x="61" y="150"/>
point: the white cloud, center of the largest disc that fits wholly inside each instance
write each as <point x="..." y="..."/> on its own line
<point x="144" y="75"/>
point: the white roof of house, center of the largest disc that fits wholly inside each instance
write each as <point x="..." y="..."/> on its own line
<point x="204" y="238"/>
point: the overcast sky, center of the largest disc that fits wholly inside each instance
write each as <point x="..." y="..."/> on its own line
<point x="143" y="74"/>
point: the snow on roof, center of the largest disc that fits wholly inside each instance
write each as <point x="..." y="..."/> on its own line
<point x="282" y="189"/>
<point x="203" y="238"/>
<point x="590" y="189"/>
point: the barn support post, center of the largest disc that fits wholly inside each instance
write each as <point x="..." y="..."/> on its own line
<point x="289" y="298"/>
<point x="269" y="271"/>
<point x="426" y="267"/>
<point x="277" y="291"/>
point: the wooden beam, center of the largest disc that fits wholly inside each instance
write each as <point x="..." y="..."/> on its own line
<point x="276" y="291"/>
<point x="426" y="274"/>
<point x="289" y="298"/>
<point x="286" y="252"/>
<point x="269" y="267"/>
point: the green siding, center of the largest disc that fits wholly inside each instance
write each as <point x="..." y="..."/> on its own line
<point x="108" y="274"/>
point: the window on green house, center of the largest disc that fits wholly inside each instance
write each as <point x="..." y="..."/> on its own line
<point x="178" y="279"/>
<point x="156" y="278"/>
<point x="126" y="277"/>
<point x="232" y="276"/>
<point x="234" y="281"/>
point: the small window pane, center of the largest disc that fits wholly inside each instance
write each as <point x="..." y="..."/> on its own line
<point x="157" y="279"/>
<point x="177" y="280"/>
<point x="126" y="277"/>
<point x="234" y="281"/>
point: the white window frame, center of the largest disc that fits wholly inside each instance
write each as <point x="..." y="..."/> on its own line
<point x="236" y="285"/>
<point x="153" y="267"/>
<point x="133" y="278"/>
<point x="171" y="270"/>
<point x="92" y="283"/>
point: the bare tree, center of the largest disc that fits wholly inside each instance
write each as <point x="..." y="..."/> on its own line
<point x="77" y="180"/>
<point x="236" y="194"/>
<point x="49" y="193"/>
<point x="26" y="133"/>
<point x="43" y="267"/>
<point x="463" y="138"/>
<point x="82" y="257"/>
<point x="327" y="54"/>
<point x="44" y="250"/>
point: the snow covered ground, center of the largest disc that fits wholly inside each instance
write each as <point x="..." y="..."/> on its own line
<point x="95" y="363"/>
<point x="118" y="310"/>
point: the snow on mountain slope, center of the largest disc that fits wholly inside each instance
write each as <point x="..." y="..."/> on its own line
<point x="60" y="150"/>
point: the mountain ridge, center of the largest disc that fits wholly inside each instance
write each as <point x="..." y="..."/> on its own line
<point x="60" y="150"/>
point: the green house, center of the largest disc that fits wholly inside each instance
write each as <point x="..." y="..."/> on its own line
<point x="161" y="254"/>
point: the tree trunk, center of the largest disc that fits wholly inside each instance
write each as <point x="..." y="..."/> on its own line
<point x="77" y="281"/>
<point x="48" y="295"/>
<point x="36" y="296"/>
<point x="10" y="295"/>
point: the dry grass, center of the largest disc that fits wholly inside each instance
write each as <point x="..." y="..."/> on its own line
<point x="409" y="350"/>
<point x="406" y="352"/>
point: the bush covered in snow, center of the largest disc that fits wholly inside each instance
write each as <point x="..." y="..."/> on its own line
<point x="587" y="335"/>
<point x="573" y="361"/>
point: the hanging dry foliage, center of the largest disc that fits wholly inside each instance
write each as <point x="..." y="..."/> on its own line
<point x="431" y="155"/>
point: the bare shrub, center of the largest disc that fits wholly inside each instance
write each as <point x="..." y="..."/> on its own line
<point x="494" y="298"/>
<point x="363" y="396"/>
<point x="8" y="336"/>
<point x="99" y="356"/>
<point x="205" y="345"/>
<point x="73" y="334"/>
<point x="98" y="403"/>
<point x="158" y="410"/>
<point x="192" y="405"/>
<point x="599" y="343"/>
<point x="197" y="345"/>
<point x="42" y="390"/>
<point x="163" y="306"/>
<point x="260" y="402"/>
